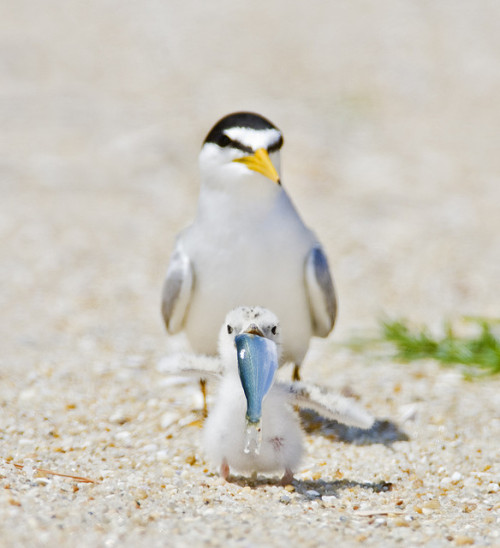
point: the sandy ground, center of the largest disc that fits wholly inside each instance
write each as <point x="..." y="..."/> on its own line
<point x="391" y="113"/>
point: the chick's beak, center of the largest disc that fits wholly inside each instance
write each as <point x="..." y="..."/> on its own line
<point x="253" y="329"/>
<point x="261" y="163"/>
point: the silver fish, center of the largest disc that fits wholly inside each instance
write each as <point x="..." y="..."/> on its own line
<point x="257" y="366"/>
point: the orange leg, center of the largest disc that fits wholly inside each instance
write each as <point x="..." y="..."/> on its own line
<point x="224" y="469"/>
<point x="203" y="386"/>
<point x="287" y="477"/>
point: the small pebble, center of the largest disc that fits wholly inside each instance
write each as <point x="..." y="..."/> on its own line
<point x="162" y="455"/>
<point x="41" y="481"/>
<point x="168" y="419"/>
<point x="329" y="500"/>
<point x="122" y="435"/>
<point x="461" y="540"/>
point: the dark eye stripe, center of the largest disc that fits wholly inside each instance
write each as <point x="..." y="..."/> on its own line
<point x="239" y="146"/>
<point x="236" y="144"/>
<point x="223" y="140"/>
<point x="276" y="145"/>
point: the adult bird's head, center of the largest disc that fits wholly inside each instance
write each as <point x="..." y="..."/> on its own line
<point x="241" y="147"/>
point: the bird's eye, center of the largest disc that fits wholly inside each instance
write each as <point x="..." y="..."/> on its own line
<point x="224" y="141"/>
<point x="274" y="329"/>
<point x="229" y="329"/>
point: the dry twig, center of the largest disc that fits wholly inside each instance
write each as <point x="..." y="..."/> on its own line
<point x="79" y="479"/>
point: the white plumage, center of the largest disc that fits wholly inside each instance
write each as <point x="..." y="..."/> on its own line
<point x="224" y="435"/>
<point x="247" y="244"/>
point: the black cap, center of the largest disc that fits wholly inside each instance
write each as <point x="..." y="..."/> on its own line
<point x="240" y="119"/>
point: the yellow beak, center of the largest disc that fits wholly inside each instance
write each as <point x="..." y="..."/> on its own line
<point x="261" y="163"/>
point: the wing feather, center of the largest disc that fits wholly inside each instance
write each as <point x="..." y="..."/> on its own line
<point x="328" y="405"/>
<point x="177" y="290"/>
<point x="321" y="292"/>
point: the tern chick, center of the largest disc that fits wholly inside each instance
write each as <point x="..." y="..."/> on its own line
<point x="252" y="426"/>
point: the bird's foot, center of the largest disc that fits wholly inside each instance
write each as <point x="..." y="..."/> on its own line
<point x="224" y="470"/>
<point x="203" y="386"/>
<point x="287" y="477"/>
<point x="296" y="373"/>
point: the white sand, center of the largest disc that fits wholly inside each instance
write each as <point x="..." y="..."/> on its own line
<point x="390" y="112"/>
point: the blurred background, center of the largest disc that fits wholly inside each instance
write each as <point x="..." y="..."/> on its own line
<point x="391" y="117"/>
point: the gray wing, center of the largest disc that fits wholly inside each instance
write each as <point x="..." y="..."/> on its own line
<point x="322" y="298"/>
<point x="327" y="404"/>
<point x="177" y="290"/>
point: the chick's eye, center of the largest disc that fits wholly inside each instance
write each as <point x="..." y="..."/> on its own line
<point x="229" y="329"/>
<point x="274" y="329"/>
<point x="224" y="141"/>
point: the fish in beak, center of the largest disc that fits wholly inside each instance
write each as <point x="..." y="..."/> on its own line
<point x="257" y="366"/>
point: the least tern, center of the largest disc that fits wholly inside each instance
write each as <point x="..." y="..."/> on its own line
<point x="247" y="244"/>
<point x="252" y="426"/>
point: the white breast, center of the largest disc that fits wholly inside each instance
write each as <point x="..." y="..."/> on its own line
<point x="224" y="432"/>
<point x="249" y="256"/>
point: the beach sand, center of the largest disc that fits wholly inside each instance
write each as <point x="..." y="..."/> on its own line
<point x="390" y="112"/>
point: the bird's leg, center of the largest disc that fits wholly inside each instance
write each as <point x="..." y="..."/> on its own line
<point x="296" y="373"/>
<point x="287" y="477"/>
<point x="224" y="469"/>
<point x="203" y="386"/>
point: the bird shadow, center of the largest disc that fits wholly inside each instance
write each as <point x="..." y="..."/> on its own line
<point x="312" y="489"/>
<point x="321" y="488"/>
<point x="383" y="431"/>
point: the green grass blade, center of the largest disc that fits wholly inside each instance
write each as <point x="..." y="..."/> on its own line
<point x="479" y="353"/>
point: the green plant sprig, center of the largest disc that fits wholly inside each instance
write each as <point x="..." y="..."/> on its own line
<point x="480" y="352"/>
